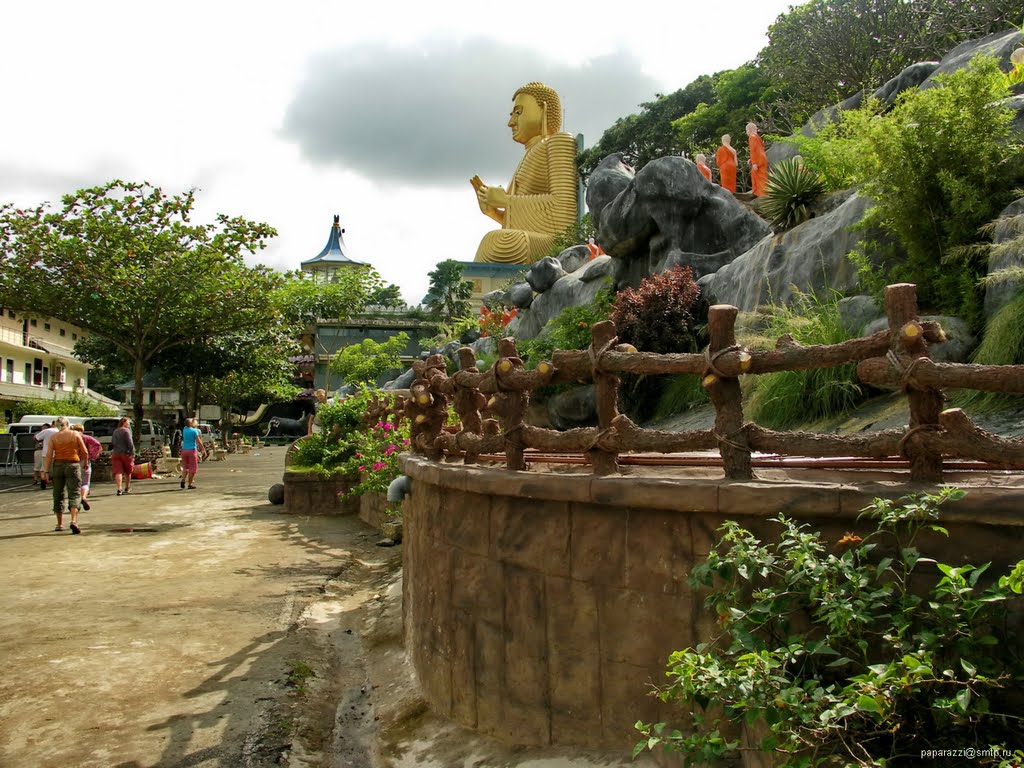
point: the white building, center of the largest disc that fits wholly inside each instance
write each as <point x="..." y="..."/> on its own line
<point x="37" y="360"/>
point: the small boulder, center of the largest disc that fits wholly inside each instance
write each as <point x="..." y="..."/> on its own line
<point x="855" y="312"/>
<point x="545" y="273"/>
<point x="600" y="267"/>
<point x="573" y="258"/>
<point x="276" y="494"/>
<point x="495" y="299"/>
<point x="521" y="295"/>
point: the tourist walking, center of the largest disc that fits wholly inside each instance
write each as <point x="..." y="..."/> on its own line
<point x="42" y="438"/>
<point x="191" y="446"/>
<point x="94" y="448"/>
<point x="122" y="455"/>
<point x="66" y="459"/>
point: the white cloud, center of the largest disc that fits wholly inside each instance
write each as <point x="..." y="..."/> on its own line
<point x="289" y="114"/>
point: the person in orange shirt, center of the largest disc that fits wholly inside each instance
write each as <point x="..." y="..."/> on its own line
<point x="725" y="158"/>
<point x="66" y="459"/>
<point x="702" y="165"/>
<point x="758" y="161"/>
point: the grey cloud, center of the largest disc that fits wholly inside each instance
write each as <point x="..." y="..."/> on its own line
<point x="437" y="113"/>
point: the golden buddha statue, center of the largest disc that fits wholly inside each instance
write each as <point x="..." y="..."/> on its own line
<point x="541" y="200"/>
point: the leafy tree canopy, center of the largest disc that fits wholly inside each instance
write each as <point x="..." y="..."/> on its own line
<point x="448" y="293"/>
<point x="649" y="134"/>
<point x="125" y="261"/>
<point x="823" y="51"/>
<point x="364" y="362"/>
<point x="302" y="299"/>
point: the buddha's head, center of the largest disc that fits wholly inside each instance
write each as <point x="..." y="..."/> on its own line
<point x="536" y="111"/>
<point x="727" y="139"/>
<point x="700" y="158"/>
<point x="751" y="129"/>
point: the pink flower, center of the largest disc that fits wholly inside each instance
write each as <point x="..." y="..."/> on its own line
<point x="388" y="426"/>
<point x="359" y="455"/>
<point x="362" y="469"/>
<point x="390" y="449"/>
<point x="377" y="467"/>
<point x="406" y="441"/>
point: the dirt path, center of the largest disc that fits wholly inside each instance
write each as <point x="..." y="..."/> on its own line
<point x="206" y="628"/>
<point x="190" y="641"/>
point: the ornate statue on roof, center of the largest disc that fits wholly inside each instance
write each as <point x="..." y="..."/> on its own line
<point x="541" y="199"/>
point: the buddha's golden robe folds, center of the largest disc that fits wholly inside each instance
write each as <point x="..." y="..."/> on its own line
<point x="542" y="203"/>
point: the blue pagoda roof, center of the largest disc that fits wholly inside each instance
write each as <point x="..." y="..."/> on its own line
<point x="335" y="252"/>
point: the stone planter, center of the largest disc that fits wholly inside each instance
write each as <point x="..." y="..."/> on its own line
<point x="373" y="509"/>
<point x="307" y="493"/>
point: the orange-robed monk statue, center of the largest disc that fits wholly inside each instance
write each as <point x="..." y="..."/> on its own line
<point x="701" y="161"/>
<point x="541" y="199"/>
<point x="758" y="161"/>
<point x="725" y="159"/>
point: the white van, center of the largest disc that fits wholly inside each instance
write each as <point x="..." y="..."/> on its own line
<point x="102" y="427"/>
<point x="30" y="424"/>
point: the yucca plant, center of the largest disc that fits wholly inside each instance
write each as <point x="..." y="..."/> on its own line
<point x="792" y="190"/>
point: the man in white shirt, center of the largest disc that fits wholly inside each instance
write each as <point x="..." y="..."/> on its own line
<point x="42" y="438"/>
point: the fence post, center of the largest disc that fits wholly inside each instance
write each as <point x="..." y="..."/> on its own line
<point x="469" y="401"/>
<point x="906" y="346"/>
<point x="726" y="396"/>
<point x="606" y="389"/>
<point x="510" y="404"/>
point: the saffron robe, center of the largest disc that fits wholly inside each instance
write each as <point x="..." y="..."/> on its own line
<point x="705" y="171"/>
<point x="759" y="175"/>
<point x="726" y="160"/>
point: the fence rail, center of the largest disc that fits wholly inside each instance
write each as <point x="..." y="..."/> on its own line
<point x="492" y="405"/>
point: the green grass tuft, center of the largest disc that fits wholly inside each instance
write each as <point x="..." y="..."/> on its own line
<point x="789" y="398"/>
<point x="1003" y="344"/>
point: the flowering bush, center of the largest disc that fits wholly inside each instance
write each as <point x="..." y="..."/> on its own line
<point x="375" y="456"/>
<point x="492" y="323"/>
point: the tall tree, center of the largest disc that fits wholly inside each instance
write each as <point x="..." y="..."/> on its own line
<point x="649" y="134"/>
<point x="125" y="261"/>
<point x="448" y="294"/>
<point x="303" y="301"/>
<point x="823" y="51"/>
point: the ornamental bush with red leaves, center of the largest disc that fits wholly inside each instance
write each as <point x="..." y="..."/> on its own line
<point x="662" y="314"/>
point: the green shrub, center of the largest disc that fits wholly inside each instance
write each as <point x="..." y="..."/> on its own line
<point x="678" y="395"/>
<point x="785" y="399"/>
<point x="939" y="166"/>
<point x="72" y="405"/>
<point x="792" y="190"/>
<point x="364" y="362"/>
<point x="1002" y="344"/>
<point x="828" y="651"/>
<point x="570" y="329"/>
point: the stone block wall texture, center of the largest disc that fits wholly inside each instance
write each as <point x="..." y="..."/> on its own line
<point x="307" y="493"/>
<point x="541" y="608"/>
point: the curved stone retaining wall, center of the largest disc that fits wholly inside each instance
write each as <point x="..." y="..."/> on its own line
<point x="307" y="493"/>
<point x="540" y="607"/>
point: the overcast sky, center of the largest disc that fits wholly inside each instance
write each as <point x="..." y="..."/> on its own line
<point x="292" y="112"/>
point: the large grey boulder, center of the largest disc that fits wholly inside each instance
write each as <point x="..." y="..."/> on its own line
<point x="998" y="44"/>
<point x="911" y="77"/>
<point x="811" y="258"/>
<point x="404" y="381"/>
<point x="855" y="312"/>
<point x="570" y="291"/>
<point x="668" y="214"/>
<point x="922" y="75"/>
<point x="1010" y="229"/>
<point x="576" y="407"/>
